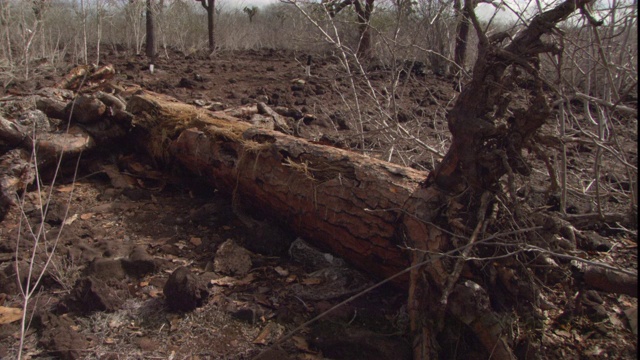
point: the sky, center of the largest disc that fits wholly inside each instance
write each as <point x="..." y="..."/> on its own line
<point x="243" y="3"/>
<point x="483" y="10"/>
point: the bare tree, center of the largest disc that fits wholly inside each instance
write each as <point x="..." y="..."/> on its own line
<point x="462" y="33"/>
<point x="363" y="11"/>
<point x="251" y="12"/>
<point x="209" y="5"/>
<point x="151" y="36"/>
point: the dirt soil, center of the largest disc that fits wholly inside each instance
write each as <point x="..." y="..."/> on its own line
<point x="123" y="228"/>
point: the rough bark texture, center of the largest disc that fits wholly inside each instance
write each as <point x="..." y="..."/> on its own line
<point x="363" y="11"/>
<point x="487" y="144"/>
<point x="209" y="5"/>
<point x="462" y="34"/>
<point x="151" y="33"/>
<point x="602" y="279"/>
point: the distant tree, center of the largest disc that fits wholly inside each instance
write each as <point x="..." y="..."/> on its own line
<point x="363" y="10"/>
<point x="405" y="7"/>
<point x="251" y="12"/>
<point x="209" y="5"/>
<point x="151" y="36"/>
<point x="462" y="32"/>
<point x="38" y="7"/>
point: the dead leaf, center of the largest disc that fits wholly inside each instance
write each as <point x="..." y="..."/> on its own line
<point x="196" y="241"/>
<point x="136" y="167"/>
<point x="9" y="315"/>
<point x="66" y="188"/>
<point x="563" y="333"/>
<point x="86" y="216"/>
<point x="595" y="351"/>
<point x="143" y="283"/>
<point x="174" y="321"/>
<point x="224" y="281"/>
<point x="632" y="316"/>
<point x="118" y="180"/>
<point x="281" y="271"/>
<point x="263" y="337"/>
<point x="312" y="281"/>
<point x="301" y="343"/>
<point x="70" y="220"/>
<point x="231" y="281"/>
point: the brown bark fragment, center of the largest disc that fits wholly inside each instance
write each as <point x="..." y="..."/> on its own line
<point x="610" y="281"/>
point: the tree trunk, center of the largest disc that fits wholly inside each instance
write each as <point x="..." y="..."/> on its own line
<point x="209" y="5"/>
<point x="364" y="16"/>
<point x="151" y="34"/>
<point x="462" y="35"/>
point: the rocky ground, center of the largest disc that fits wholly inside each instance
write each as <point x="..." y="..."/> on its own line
<point x="149" y="264"/>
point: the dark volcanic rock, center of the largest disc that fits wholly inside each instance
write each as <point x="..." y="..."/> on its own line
<point x="183" y="291"/>
<point x="91" y="294"/>
<point x="337" y="343"/>
<point x="60" y="339"/>
<point x="105" y="269"/>
<point x="232" y="259"/>
<point x="139" y="262"/>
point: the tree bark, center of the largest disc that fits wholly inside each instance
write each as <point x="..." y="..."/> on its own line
<point x="364" y="16"/>
<point x="363" y="11"/>
<point x="151" y="33"/>
<point x="602" y="279"/>
<point x="209" y="5"/>
<point x="462" y="34"/>
<point x="487" y="144"/>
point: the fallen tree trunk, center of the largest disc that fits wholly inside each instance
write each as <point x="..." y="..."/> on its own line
<point x="604" y="279"/>
<point x="340" y="200"/>
<point x="372" y="213"/>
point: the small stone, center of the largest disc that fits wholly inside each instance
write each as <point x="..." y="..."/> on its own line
<point x="146" y="344"/>
<point x="35" y="119"/>
<point x="186" y="83"/>
<point x="632" y="317"/>
<point x="216" y="106"/>
<point x="106" y="269"/>
<point x="60" y="338"/>
<point x="183" y="291"/>
<point x="232" y="259"/>
<point x="91" y="294"/>
<point x="139" y="262"/>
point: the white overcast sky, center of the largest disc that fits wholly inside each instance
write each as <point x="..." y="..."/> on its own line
<point x="483" y="10"/>
<point x="243" y="3"/>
